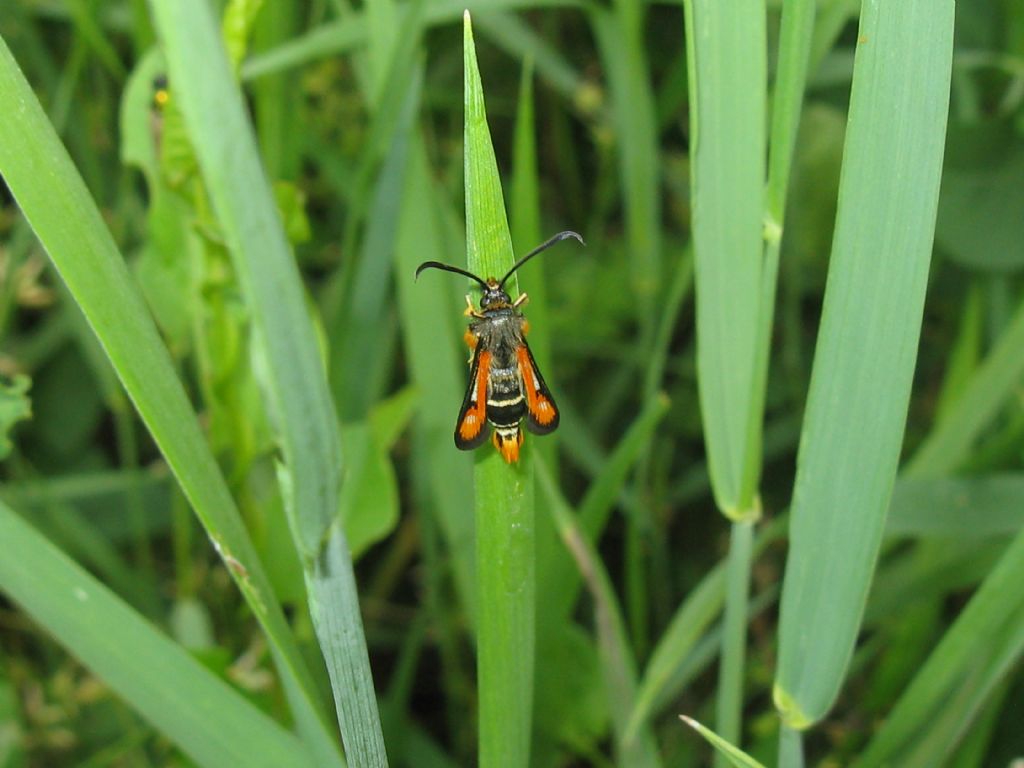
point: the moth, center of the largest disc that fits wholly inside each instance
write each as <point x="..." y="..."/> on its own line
<point x="505" y="384"/>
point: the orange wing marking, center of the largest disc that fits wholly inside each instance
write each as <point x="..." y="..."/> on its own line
<point x="475" y="416"/>
<point x="539" y="405"/>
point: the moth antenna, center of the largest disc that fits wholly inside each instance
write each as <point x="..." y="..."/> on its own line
<point x="542" y="247"/>
<point x="447" y="268"/>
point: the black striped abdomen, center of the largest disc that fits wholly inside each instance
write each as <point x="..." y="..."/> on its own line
<point x="506" y="404"/>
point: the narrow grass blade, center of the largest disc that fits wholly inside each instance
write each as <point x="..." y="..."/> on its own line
<point x="867" y="345"/>
<point x="957" y="508"/>
<point x="226" y="150"/>
<point x="360" y="348"/>
<point x="957" y="719"/>
<point x="559" y="574"/>
<point x="623" y="56"/>
<point x="294" y="377"/>
<point x="524" y="213"/>
<point x="727" y="93"/>
<point x="982" y="396"/>
<point x="994" y="616"/>
<point x="727" y="126"/>
<point x="504" y="494"/>
<point x="735" y="756"/>
<point x="54" y="199"/>
<point x="686" y="630"/>
<point x="796" y="29"/>
<point x="331" y="588"/>
<point x="346" y="34"/>
<point x="213" y="724"/>
<point x="791" y="747"/>
<point x="438" y="368"/>
<point x="617" y="661"/>
<point x="729" y="702"/>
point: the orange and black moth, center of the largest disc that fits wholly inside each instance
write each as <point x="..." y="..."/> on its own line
<point x="505" y="384"/>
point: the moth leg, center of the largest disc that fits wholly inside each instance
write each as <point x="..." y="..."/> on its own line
<point x="470" y="310"/>
<point x="523" y="298"/>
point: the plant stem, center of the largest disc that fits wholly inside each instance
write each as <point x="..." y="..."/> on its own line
<point x="730" y="681"/>
<point x="791" y="747"/>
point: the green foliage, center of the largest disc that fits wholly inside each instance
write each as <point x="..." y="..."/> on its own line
<point x="231" y="494"/>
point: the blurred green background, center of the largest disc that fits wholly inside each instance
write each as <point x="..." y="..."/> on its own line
<point x="358" y="113"/>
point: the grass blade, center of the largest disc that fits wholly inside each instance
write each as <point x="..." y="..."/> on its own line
<point x="982" y="397"/>
<point x="957" y="508"/>
<point x="623" y="55"/>
<point x="559" y="574"/>
<point x="729" y="702"/>
<point x="727" y="97"/>
<point x="295" y="381"/>
<point x="213" y="724"/>
<point x="637" y="748"/>
<point x="727" y="93"/>
<point x="504" y="494"/>
<point x="872" y="312"/>
<point x="687" y="628"/>
<point x="226" y="150"/>
<point x="56" y="203"/>
<point x="993" y="618"/>
<point x="337" y="37"/>
<point x="735" y="756"/>
<point x="437" y="368"/>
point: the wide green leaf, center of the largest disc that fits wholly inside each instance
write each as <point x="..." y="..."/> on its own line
<point x="867" y="345"/>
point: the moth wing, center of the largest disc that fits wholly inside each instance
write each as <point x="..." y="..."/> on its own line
<point x="471" y="429"/>
<point x="541" y="411"/>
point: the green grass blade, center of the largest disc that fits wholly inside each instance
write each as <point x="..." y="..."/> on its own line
<point x="346" y="34"/>
<point x="504" y="494"/>
<point x="226" y="150"/>
<point x="735" y="756"/>
<point x="54" y="199"/>
<point x="331" y="586"/>
<point x="796" y="28"/>
<point x="559" y="574"/>
<point x="438" y="368"/>
<point x="617" y="662"/>
<point x="791" y="747"/>
<point x="525" y="216"/>
<point x="294" y="377"/>
<point x="729" y="702"/>
<point x="957" y="719"/>
<point x="687" y="628"/>
<point x="994" y="615"/>
<point x="213" y="724"/>
<point x="957" y="507"/>
<point x="623" y="56"/>
<point x="795" y="33"/>
<point x="727" y="93"/>
<point x="867" y="345"/>
<point x="361" y="347"/>
<point x="728" y="98"/>
<point x="688" y="625"/>
<point x="984" y="394"/>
